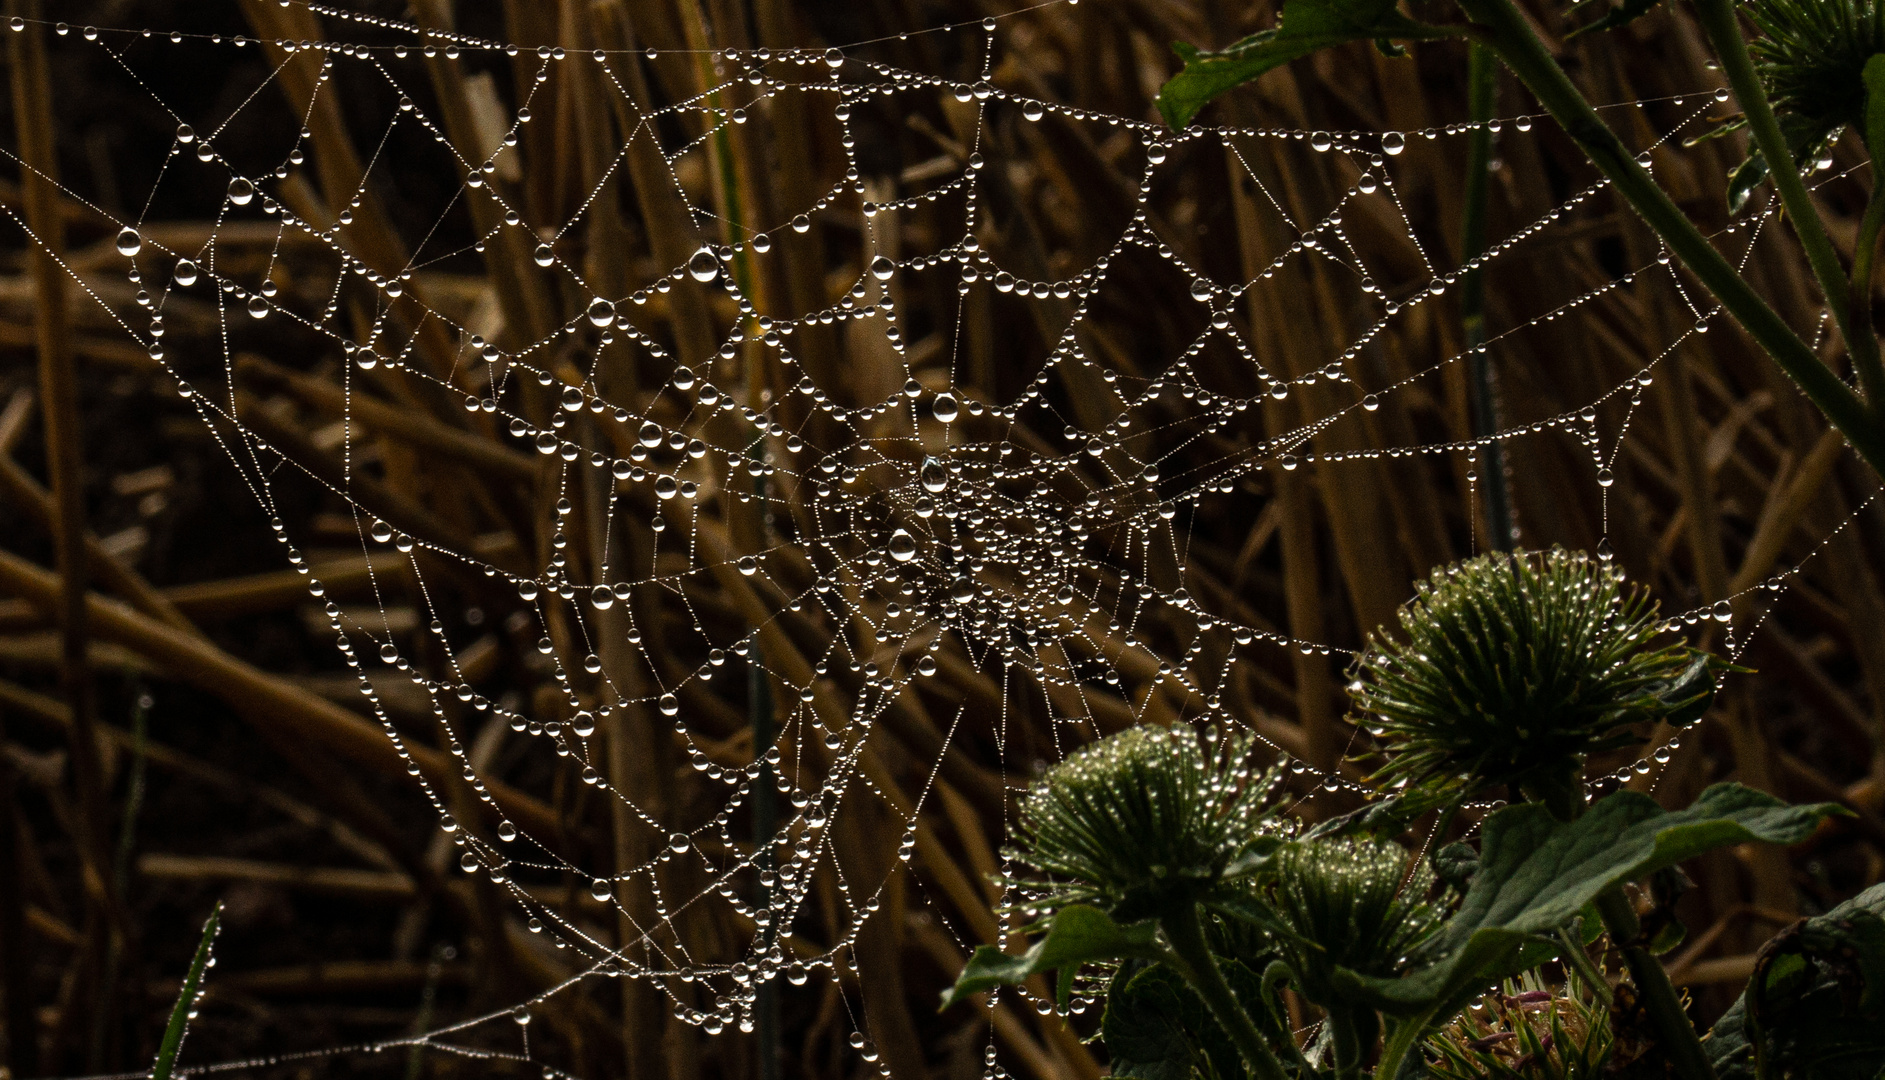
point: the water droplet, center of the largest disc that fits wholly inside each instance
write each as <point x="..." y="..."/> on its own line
<point x="801" y="224"/>
<point x="602" y="598"/>
<point x="258" y="307"/>
<point x="944" y="407"/>
<point x="1371" y="403"/>
<point x="1605" y="478"/>
<point x="882" y="268"/>
<point x="186" y="272"/>
<point x="1200" y="290"/>
<point x="186" y="134"/>
<point x="506" y="831"/>
<point x="934" y="477"/>
<point x="600" y="889"/>
<point x="678" y="842"/>
<point x="544" y="255"/>
<point x="748" y="565"/>
<point x="389" y="652"/>
<point x="683" y="378"/>
<point x="762" y="243"/>
<point x="1367" y="184"/>
<point x="704" y="266"/>
<point x="902" y="546"/>
<point x="670" y="705"/>
<point x="601" y="312"/>
<point x="1031" y="110"/>
<point x="129" y="242"/>
<point x="1155" y="153"/>
<point x="1393" y="143"/>
<point x="1320" y="142"/>
<point x="382" y="532"/>
<point x="241" y="192"/>
<point x="521" y="1014"/>
<point x="1722" y="611"/>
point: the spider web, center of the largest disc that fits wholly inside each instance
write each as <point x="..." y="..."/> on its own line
<point x="881" y="526"/>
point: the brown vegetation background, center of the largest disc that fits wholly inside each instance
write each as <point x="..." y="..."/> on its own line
<point x="179" y="729"/>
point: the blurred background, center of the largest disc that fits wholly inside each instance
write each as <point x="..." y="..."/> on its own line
<point x="196" y="737"/>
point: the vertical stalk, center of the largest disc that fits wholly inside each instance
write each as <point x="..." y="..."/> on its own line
<point x="1346" y="1041"/>
<point x="1184" y="932"/>
<point x="1718" y="21"/>
<point x="1504" y="29"/>
<point x="1864" y="263"/>
<point x="1654" y="991"/>
<point x="32" y="114"/>
<point x="1481" y="82"/>
<point x="16" y="966"/>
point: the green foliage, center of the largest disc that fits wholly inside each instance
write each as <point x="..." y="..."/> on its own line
<point x="1076" y="934"/>
<point x="1304" y="27"/>
<point x="1537" y="873"/>
<point x="1149" y="815"/>
<point x="1514" y="668"/>
<point x="1812" y="57"/>
<point x="1816" y="1001"/>
<point x="185" y="1008"/>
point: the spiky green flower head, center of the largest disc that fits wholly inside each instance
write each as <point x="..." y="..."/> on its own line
<point x="1811" y="55"/>
<point x="1146" y="819"/>
<point x="1512" y="668"/>
<point x="1352" y="902"/>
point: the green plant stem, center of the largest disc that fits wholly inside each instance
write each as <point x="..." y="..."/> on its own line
<point x="1655" y="992"/>
<point x="1481" y="81"/>
<point x="1347" y="1043"/>
<point x="1864" y="263"/>
<point x="1501" y="27"/>
<point x="1184" y="933"/>
<point x="1718" y="21"/>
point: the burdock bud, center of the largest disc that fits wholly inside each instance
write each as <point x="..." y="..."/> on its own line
<point x="1144" y="820"/>
<point x="1512" y="668"/>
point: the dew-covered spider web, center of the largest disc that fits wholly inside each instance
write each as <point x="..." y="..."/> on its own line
<point x="831" y="549"/>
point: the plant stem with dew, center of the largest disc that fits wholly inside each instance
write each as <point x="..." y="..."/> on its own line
<point x="1504" y="29"/>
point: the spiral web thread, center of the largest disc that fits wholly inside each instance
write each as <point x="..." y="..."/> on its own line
<point x="913" y="530"/>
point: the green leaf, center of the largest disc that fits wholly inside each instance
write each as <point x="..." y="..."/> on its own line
<point x="1305" y="26"/>
<point x="1875" y="104"/>
<point x="172" y="1044"/>
<point x="1077" y="934"/>
<point x="1156" y="1026"/>
<point x="1537" y="873"/>
<point x="1819" y="994"/>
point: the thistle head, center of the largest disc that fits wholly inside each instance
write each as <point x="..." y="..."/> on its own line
<point x="1512" y="668"/>
<point x="1811" y="55"/>
<point x="1145" y="819"/>
<point x="1351" y="902"/>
